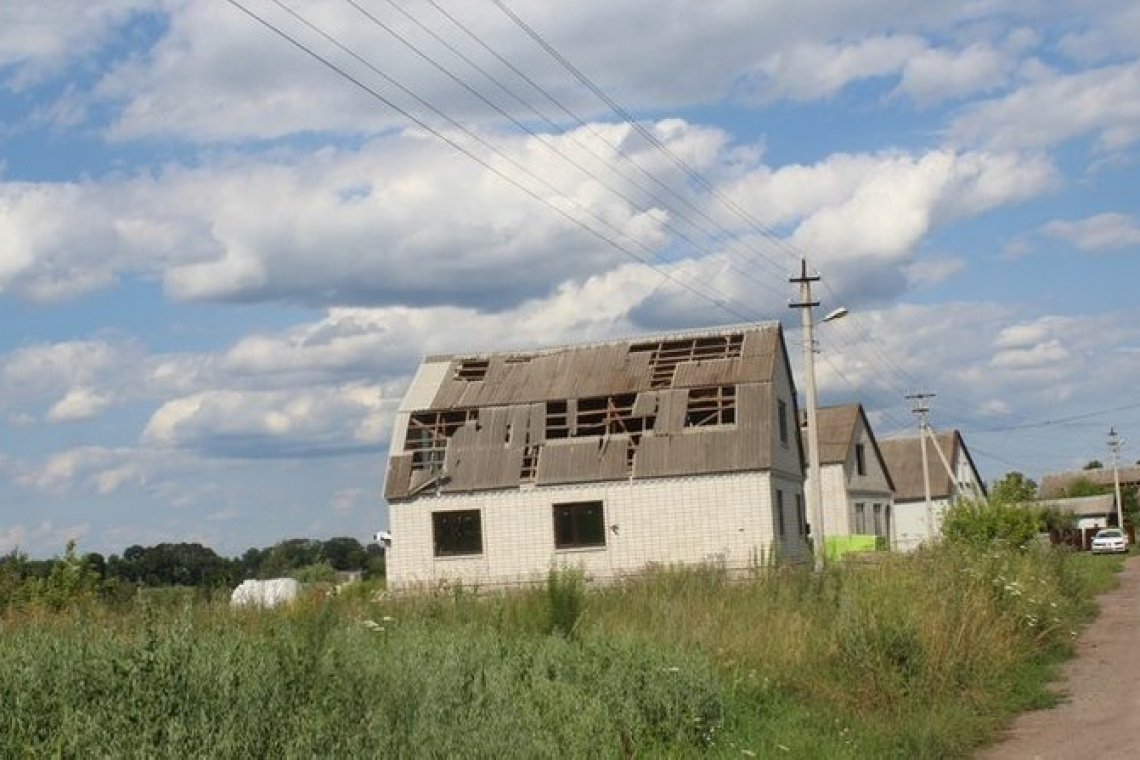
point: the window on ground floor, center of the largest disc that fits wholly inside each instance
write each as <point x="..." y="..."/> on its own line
<point x="457" y="533"/>
<point x="780" y="527"/>
<point x="579" y="524"/>
<point x="860" y="518"/>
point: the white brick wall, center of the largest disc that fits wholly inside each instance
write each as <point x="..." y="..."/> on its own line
<point x="911" y="526"/>
<point x="725" y="519"/>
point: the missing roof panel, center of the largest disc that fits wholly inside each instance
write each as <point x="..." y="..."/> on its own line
<point x="470" y="370"/>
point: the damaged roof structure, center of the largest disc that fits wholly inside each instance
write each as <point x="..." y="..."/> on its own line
<point x="486" y="432"/>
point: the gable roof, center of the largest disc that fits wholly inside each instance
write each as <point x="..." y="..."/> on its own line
<point x="681" y="403"/>
<point x="1055" y="484"/>
<point x="904" y="460"/>
<point x="1084" y="506"/>
<point x="836" y="426"/>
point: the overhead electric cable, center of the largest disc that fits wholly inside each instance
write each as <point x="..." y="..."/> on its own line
<point x="547" y="142"/>
<point x="462" y="149"/>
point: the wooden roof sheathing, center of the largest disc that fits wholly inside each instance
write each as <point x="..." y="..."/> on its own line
<point x="583" y="461"/>
<point x="520" y="398"/>
<point x="836" y="428"/>
<point x="903" y="458"/>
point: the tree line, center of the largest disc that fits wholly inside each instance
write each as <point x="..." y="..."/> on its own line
<point x="197" y="566"/>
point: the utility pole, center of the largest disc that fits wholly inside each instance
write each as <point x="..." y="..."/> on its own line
<point x="921" y="409"/>
<point x="815" y="492"/>
<point x="1114" y="443"/>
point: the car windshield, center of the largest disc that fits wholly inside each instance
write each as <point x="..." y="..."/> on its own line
<point x="1111" y="533"/>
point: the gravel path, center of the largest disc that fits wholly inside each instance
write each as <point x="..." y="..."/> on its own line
<point x="1100" y="716"/>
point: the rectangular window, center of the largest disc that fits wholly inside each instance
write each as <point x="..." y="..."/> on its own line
<point x="457" y="533"/>
<point x="878" y="512"/>
<point x="860" y="459"/>
<point x="782" y="412"/>
<point x="801" y="514"/>
<point x="579" y="524"/>
<point x="860" y="519"/>
<point x="711" y="406"/>
<point x="780" y="513"/>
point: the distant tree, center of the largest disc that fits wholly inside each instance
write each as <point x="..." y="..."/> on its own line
<point x="1094" y="464"/>
<point x="96" y="564"/>
<point x="344" y="553"/>
<point x="1084" y="487"/>
<point x="376" y="566"/>
<point x="289" y="555"/>
<point x="182" y="564"/>
<point x="1014" y="488"/>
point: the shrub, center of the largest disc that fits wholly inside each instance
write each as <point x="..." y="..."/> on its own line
<point x="987" y="523"/>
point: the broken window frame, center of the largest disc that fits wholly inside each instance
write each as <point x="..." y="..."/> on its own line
<point x="428" y="433"/>
<point x="711" y="406"/>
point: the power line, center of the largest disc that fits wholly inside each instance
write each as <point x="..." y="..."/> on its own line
<point x="462" y="149"/>
<point x="547" y="142"/>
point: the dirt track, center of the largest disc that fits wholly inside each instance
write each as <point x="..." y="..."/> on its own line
<point x="1100" y="716"/>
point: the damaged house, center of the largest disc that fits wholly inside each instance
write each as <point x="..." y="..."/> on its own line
<point x="610" y="456"/>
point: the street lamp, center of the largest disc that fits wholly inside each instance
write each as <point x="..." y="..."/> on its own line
<point x="815" y="492"/>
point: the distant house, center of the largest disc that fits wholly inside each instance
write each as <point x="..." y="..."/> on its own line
<point x="610" y="456"/>
<point x="1087" y="511"/>
<point x="856" y="485"/>
<point x="952" y="475"/>
<point x="1056" y="485"/>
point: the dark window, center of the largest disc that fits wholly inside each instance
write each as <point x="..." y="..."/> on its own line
<point x="860" y="519"/>
<point x="782" y="411"/>
<point x="860" y="459"/>
<point x="457" y="533"/>
<point x="579" y="524"/>
<point x="780" y="513"/>
<point x="801" y="514"/>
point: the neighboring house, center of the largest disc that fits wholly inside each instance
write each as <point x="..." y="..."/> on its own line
<point x="952" y="474"/>
<point x="611" y="456"/>
<point x="1054" y="486"/>
<point x="856" y="485"/>
<point x="1086" y="511"/>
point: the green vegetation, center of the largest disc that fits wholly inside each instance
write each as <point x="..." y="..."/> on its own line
<point x="912" y="656"/>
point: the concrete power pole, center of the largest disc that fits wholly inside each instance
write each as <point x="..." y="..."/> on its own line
<point x="1114" y="443"/>
<point x="921" y="409"/>
<point x="815" y="492"/>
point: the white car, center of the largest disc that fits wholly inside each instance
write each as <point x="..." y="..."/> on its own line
<point x="1110" y="541"/>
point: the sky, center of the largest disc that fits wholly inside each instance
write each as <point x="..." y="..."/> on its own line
<point x="229" y="231"/>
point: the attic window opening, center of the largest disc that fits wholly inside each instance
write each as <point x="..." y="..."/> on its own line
<point x="664" y="356"/>
<point x="470" y="370"/>
<point x="711" y="406"/>
<point x="428" y="433"/>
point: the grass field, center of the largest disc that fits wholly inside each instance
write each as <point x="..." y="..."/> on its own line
<point x="916" y="656"/>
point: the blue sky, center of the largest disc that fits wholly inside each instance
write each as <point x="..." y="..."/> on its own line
<point x="220" y="260"/>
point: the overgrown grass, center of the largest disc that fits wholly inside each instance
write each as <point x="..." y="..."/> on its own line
<point x="916" y="656"/>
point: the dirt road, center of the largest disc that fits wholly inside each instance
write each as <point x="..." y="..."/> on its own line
<point x="1100" y="716"/>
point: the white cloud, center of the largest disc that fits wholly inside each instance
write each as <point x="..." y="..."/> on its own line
<point x="812" y="71"/>
<point x="79" y="404"/>
<point x="1055" y="107"/>
<point x="889" y="206"/>
<point x="37" y="39"/>
<point x="25" y="537"/>
<point x="936" y="74"/>
<point x="273" y="423"/>
<point x="1108" y="231"/>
